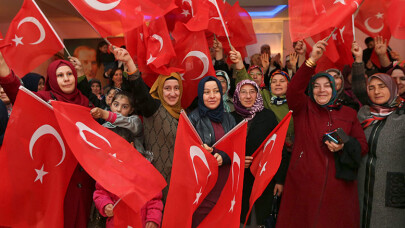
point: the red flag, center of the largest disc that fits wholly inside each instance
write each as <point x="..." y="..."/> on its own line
<point x="194" y="57"/>
<point x="230" y="202"/>
<point x="113" y="17"/>
<point x="371" y="18"/>
<point x="194" y="174"/>
<point x="125" y="217"/>
<point x="396" y="19"/>
<point x="308" y="17"/>
<point x="240" y="26"/>
<point x="108" y="158"/>
<point x="36" y="165"/>
<point x="30" y="40"/>
<point x="267" y="159"/>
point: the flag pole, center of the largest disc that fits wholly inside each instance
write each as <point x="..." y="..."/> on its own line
<point x="327" y="38"/>
<point x="222" y="21"/>
<point x="353" y="16"/>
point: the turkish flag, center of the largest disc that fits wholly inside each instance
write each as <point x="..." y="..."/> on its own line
<point x="308" y="17"/>
<point x="125" y="217"/>
<point x="194" y="57"/>
<point x="159" y="47"/>
<point x="267" y="159"/>
<point x="107" y="157"/>
<point x="230" y="202"/>
<point x="113" y="17"/>
<point x="371" y="18"/>
<point x="194" y="174"/>
<point x="35" y="166"/>
<point x="30" y="40"/>
<point x="396" y="19"/>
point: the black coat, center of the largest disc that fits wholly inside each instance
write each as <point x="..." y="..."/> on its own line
<point x="258" y="129"/>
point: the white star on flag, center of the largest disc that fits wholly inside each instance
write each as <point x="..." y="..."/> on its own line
<point x="340" y="1"/>
<point x="232" y="204"/>
<point x="40" y="174"/>
<point x="185" y="13"/>
<point x="334" y="36"/>
<point x="379" y="15"/>
<point x="263" y="169"/>
<point x="197" y="196"/>
<point x="17" y="40"/>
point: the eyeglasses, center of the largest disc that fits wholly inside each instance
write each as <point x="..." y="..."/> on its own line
<point x="257" y="74"/>
<point x="245" y="92"/>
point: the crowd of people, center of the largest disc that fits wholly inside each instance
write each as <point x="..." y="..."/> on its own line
<point x="343" y="162"/>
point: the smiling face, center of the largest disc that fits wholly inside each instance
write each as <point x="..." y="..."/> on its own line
<point x="322" y="90"/>
<point x="211" y="96"/>
<point x="171" y="91"/>
<point x="247" y="95"/>
<point x="278" y="85"/>
<point x="95" y="88"/>
<point x="399" y="77"/>
<point x="338" y="80"/>
<point x="378" y="92"/>
<point x="66" y="80"/>
<point x="256" y="75"/>
<point x="117" y="78"/>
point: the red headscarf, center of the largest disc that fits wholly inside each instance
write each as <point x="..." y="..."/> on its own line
<point x="52" y="86"/>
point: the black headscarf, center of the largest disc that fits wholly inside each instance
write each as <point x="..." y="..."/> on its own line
<point x="31" y="81"/>
<point x="217" y="114"/>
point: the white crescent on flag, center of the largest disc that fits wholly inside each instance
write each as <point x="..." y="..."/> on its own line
<point x="102" y="6"/>
<point x="373" y="30"/>
<point x="204" y="59"/>
<point x="36" y="23"/>
<point x="82" y="127"/>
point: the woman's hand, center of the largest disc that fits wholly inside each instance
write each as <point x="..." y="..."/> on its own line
<point x="236" y="58"/>
<point x="278" y="189"/>
<point x="99" y="113"/>
<point x="265" y="61"/>
<point x="219" y="51"/>
<point x="4" y="70"/>
<point x="357" y="52"/>
<point x="77" y="64"/>
<point x="333" y="147"/>
<point x="219" y="159"/>
<point x="380" y="45"/>
<point x="248" y="161"/>
<point x="317" y="50"/>
<point x="108" y="210"/>
<point x="123" y="55"/>
<point x="151" y="225"/>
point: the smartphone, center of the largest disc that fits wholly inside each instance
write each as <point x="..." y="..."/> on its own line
<point x="333" y="136"/>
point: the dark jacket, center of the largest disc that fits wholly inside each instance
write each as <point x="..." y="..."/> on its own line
<point x="258" y="129"/>
<point x="3" y="121"/>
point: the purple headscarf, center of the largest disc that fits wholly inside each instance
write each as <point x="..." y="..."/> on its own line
<point x="247" y="113"/>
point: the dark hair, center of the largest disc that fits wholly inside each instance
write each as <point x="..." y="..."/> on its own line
<point x="124" y="133"/>
<point x="127" y="95"/>
<point x="112" y="75"/>
<point x="92" y="81"/>
<point x="368" y="40"/>
<point x="98" y="55"/>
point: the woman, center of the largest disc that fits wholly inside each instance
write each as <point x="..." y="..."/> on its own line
<point x="249" y="105"/>
<point x="381" y="171"/>
<point x="398" y="74"/>
<point x="34" y="82"/>
<point x="211" y="123"/>
<point x="342" y="97"/>
<point x="61" y="85"/>
<point x="160" y="107"/>
<point x="118" y="80"/>
<point x="222" y="76"/>
<point x="320" y="188"/>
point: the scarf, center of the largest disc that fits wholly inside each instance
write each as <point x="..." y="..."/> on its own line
<point x="225" y="96"/>
<point x="156" y="91"/>
<point x="399" y="66"/>
<point x="52" y="88"/>
<point x="262" y="85"/>
<point x="331" y="104"/>
<point x="381" y="112"/>
<point x="216" y="114"/>
<point x="278" y="100"/>
<point x="247" y="113"/>
<point x="31" y="81"/>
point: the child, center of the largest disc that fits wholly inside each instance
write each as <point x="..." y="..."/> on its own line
<point x="151" y="213"/>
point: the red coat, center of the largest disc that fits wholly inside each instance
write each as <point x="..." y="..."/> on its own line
<point x="313" y="197"/>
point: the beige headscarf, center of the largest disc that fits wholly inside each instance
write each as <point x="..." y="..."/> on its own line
<point x="156" y="91"/>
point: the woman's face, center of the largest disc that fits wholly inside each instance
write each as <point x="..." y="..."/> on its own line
<point x="110" y="96"/>
<point x="66" y="80"/>
<point x="322" y="90"/>
<point x="338" y="80"/>
<point x="257" y="76"/>
<point x="399" y="77"/>
<point x="41" y="84"/>
<point x="121" y="105"/>
<point x="224" y="84"/>
<point x="171" y="91"/>
<point x="247" y="95"/>
<point x="378" y="92"/>
<point x="4" y="97"/>
<point x="278" y="85"/>
<point x="95" y="89"/>
<point x="104" y="48"/>
<point x="211" y="96"/>
<point x="117" y="78"/>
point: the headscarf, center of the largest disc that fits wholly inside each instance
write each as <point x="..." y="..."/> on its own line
<point x="397" y="66"/>
<point x="225" y="97"/>
<point x="278" y="100"/>
<point x="247" y="113"/>
<point x="261" y="70"/>
<point x="156" y="91"/>
<point x="332" y="84"/>
<point x="216" y="114"/>
<point x="31" y="81"/>
<point x="52" y="86"/>
<point x="380" y="112"/>
<point x="339" y="74"/>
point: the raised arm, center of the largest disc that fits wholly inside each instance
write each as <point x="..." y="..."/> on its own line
<point x="381" y="50"/>
<point x="359" y="84"/>
<point x="241" y="73"/>
<point x="8" y="80"/>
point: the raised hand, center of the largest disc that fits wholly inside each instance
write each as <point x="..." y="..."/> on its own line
<point x="380" y="45"/>
<point x="293" y="59"/>
<point x="318" y="49"/>
<point x="265" y="61"/>
<point x="236" y="58"/>
<point x="357" y="52"/>
<point x="77" y="64"/>
<point x="123" y="55"/>
<point x="4" y="70"/>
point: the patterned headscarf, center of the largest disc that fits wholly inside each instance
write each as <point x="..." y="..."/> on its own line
<point x="332" y="84"/>
<point x="261" y="71"/>
<point x="278" y="100"/>
<point x="225" y="97"/>
<point x="216" y="114"/>
<point x="247" y="113"/>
